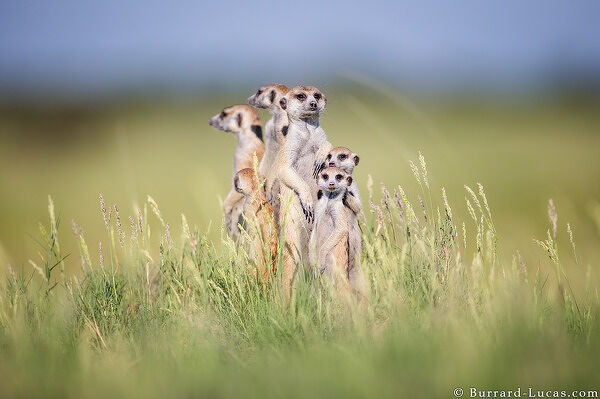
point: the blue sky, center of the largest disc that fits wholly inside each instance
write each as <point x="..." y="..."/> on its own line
<point x="95" y="46"/>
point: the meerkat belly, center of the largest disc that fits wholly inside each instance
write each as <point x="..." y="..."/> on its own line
<point x="323" y="229"/>
<point x="304" y="167"/>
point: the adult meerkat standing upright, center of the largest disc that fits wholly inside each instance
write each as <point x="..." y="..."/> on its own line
<point x="261" y="227"/>
<point x="243" y="121"/>
<point x="301" y="155"/>
<point x="268" y="97"/>
<point x="329" y="240"/>
<point x="343" y="158"/>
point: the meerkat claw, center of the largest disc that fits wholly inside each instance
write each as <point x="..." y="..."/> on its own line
<point x="318" y="167"/>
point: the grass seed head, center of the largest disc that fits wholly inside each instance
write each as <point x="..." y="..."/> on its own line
<point x="553" y="216"/>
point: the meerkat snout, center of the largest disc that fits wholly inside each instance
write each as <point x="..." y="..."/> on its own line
<point x="252" y="100"/>
<point x="213" y="122"/>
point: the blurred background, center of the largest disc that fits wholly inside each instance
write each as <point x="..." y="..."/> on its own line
<point x="113" y="97"/>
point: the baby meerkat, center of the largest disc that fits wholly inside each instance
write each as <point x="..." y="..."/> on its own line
<point x="343" y="158"/>
<point x="346" y="160"/>
<point x="304" y="148"/>
<point x="261" y="226"/>
<point x="268" y="97"/>
<point x="243" y="121"/>
<point x="330" y="236"/>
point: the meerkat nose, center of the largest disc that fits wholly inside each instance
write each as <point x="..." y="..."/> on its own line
<point x="331" y="164"/>
<point x="313" y="104"/>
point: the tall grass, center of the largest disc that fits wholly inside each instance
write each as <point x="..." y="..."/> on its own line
<point x="444" y="309"/>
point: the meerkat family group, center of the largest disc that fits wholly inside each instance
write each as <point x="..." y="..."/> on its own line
<point x="302" y="188"/>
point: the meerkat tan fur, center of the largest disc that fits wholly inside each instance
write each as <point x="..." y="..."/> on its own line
<point x="329" y="241"/>
<point x="242" y="121"/>
<point x="343" y="158"/>
<point x="268" y="97"/>
<point x="261" y="227"/>
<point x="301" y="154"/>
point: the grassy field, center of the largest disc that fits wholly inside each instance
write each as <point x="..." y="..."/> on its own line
<point x="459" y="295"/>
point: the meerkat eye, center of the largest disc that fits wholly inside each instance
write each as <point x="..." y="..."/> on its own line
<point x="328" y="156"/>
<point x="301" y="96"/>
<point x="338" y="177"/>
<point x="325" y="176"/>
<point x="317" y="96"/>
<point x="223" y="114"/>
<point x="342" y="157"/>
<point x="259" y="92"/>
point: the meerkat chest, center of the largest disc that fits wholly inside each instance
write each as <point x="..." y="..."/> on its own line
<point x="327" y="210"/>
<point x="324" y="223"/>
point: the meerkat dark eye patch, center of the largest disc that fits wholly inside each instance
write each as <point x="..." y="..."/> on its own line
<point x="284" y="130"/>
<point x="223" y="114"/>
<point x="328" y="156"/>
<point x="325" y="176"/>
<point x="257" y="131"/>
<point x="272" y="96"/>
<point x="283" y="103"/>
<point x="339" y="177"/>
<point x="259" y="92"/>
<point x="341" y="157"/>
<point x="319" y="194"/>
<point x="317" y="96"/>
<point x="301" y="96"/>
<point x="239" y="119"/>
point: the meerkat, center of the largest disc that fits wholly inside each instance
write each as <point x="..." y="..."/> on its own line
<point x="329" y="240"/>
<point x="261" y="226"/>
<point x="268" y="97"/>
<point x="301" y="154"/>
<point x="243" y="121"/>
<point x="343" y="158"/>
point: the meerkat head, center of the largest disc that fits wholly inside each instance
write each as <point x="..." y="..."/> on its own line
<point x="304" y="102"/>
<point x="334" y="180"/>
<point x="245" y="181"/>
<point x="237" y="118"/>
<point x="342" y="158"/>
<point x="268" y="96"/>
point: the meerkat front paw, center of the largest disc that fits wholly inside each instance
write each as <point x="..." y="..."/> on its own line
<point x="321" y="158"/>
<point x="307" y="207"/>
<point x="318" y="167"/>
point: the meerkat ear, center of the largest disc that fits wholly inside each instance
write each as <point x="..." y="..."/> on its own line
<point x="284" y="130"/>
<point x="283" y="103"/>
<point x="236" y="183"/>
<point x="356" y="159"/>
<point x="349" y="180"/>
<point x="272" y="96"/>
<point x="239" y="119"/>
<point x="319" y="194"/>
